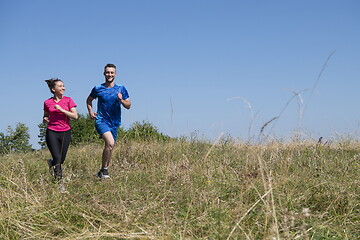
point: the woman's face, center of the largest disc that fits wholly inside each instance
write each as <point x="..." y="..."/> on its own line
<point x="59" y="88"/>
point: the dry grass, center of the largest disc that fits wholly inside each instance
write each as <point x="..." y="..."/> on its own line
<point x="182" y="190"/>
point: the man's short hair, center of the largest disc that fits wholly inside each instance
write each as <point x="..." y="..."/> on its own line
<point x="110" y="65"/>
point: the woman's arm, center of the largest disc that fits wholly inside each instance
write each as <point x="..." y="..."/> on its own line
<point x="71" y="114"/>
<point x="46" y="117"/>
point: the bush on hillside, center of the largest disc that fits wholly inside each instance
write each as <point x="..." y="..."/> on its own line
<point x="16" y="140"/>
<point x="145" y="131"/>
<point x="83" y="131"/>
<point x="42" y="134"/>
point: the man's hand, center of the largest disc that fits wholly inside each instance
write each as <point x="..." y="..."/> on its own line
<point x="93" y="115"/>
<point x="120" y="96"/>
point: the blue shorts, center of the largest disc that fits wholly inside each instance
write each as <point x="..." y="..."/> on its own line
<point x="102" y="128"/>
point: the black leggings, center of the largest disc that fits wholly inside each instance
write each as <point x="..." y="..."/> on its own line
<point x="58" y="144"/>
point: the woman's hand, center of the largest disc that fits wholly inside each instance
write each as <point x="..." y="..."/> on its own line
<point x="45" y="119"/>
<point x="58" y="107"/>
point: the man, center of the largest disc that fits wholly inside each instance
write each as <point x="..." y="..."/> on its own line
<point x="108" y="117"/>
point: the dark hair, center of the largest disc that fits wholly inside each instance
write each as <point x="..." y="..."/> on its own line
<point x="109" y="65"/>
<point x="51" y="83"/>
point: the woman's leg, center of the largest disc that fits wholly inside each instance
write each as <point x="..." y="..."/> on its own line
<point x="58" y="144"/>
<point x="65" y="144"/>
<point x="54" y="145"/>
<point x="53" y="142"/>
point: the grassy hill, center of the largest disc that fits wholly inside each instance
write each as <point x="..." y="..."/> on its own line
<point x="186" y="190"/>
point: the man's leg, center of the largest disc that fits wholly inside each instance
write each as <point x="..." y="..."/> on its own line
<point x="109" y="146"/>
<point x="106" y="156"/>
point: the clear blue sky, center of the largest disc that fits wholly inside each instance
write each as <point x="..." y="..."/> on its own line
<point x="190" y="65"/>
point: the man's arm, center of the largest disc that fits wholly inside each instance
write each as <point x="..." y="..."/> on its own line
<point x="125" y="102"/>
<point x="89" y="107"/>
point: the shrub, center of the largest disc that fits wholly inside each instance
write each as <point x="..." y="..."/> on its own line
<point x="16" y="141"/>
<point x="145" y="131"/>
<point x="83" y="130"/>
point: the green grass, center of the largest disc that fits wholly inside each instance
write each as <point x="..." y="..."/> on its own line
<point x="182" y="190"/>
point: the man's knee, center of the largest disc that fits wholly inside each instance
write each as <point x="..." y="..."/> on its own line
<point x="109" y="145"/>
<point x="109" y="141"/>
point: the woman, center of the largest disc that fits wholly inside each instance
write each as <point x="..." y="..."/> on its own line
<point x="57" y="113"/>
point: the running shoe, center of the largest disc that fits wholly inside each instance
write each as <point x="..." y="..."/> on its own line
<point x="103" y="173"/>
<point x="62" y="187"/>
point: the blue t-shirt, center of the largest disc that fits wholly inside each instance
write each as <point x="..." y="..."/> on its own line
<point x="109" y="106"/>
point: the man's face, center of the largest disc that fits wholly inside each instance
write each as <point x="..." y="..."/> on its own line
<point x="110" y="74"/>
